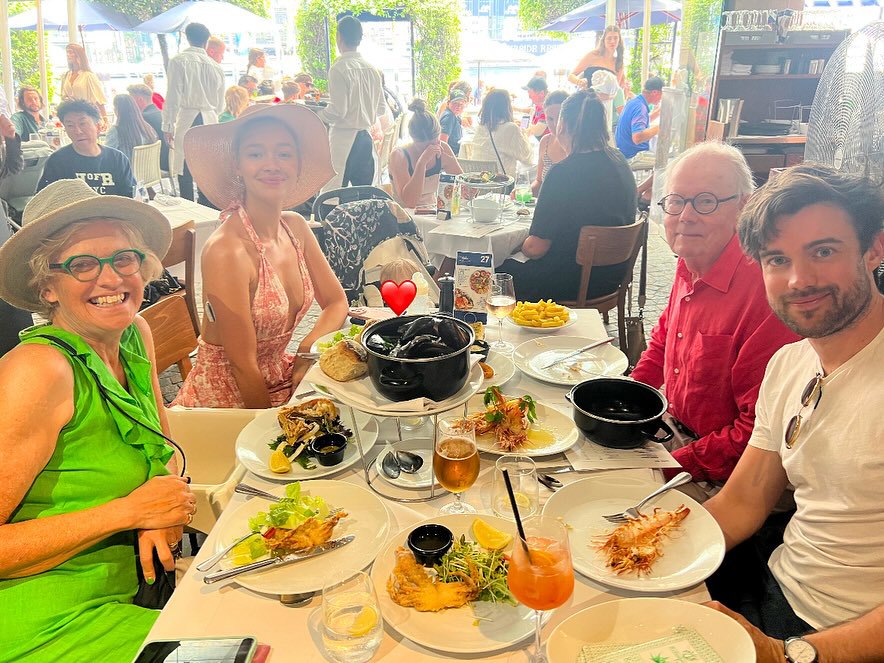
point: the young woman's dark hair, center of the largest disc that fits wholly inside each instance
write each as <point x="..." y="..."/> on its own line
<point x="618" y="54"/>
<point x="497" y="108"/>
<point x="423" y="125"/>
<point x="555" y="97"/>
<point x="132" y="128"/>
<point x="584" y="121"/>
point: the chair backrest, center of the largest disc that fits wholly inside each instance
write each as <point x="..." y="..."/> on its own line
<point x="322" y="207"/>
<point x="23" y="183"/>
<point x="599" y="246"/>
<point x="146" y="164"/>
<point x="478" y="166"/>
<point x="172" y="331"/>
<point x="183" y="250"/>
<point x="715" y="131"/>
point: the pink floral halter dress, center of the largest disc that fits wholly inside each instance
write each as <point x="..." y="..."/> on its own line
<point x="211" y="382"/>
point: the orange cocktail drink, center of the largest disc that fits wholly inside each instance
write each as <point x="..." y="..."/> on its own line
<point x="548" y="580"/>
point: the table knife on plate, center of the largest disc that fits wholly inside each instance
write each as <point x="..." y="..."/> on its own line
<point x="579" y="351"/>
<point x="328" y="546"/>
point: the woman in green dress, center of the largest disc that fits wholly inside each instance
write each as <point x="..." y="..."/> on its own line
<point x="80" y="483"/>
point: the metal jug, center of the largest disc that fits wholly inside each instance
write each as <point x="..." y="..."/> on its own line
<point x="729" y="112"/>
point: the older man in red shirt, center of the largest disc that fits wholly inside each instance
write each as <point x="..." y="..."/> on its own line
<point x="714" y="339"/>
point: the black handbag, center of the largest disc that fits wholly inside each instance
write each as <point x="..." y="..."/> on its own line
<point x="159" y="288"/>
<point x="636" y="342"/>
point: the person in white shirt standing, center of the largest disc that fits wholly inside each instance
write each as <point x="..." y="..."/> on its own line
<point x="356" y="101"/>
<point x="195" y="96"/>
<point x="819" y="235"/>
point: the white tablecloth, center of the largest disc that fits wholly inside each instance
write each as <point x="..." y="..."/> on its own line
<point x="502" y="242"/>
<point x="200" y="610"/>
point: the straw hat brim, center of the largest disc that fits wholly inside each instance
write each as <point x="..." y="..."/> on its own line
<point x="208" y="151"/>
<point x="15" y="254"/>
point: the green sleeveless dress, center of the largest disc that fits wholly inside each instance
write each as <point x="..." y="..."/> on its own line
<point x="82" y="610"/>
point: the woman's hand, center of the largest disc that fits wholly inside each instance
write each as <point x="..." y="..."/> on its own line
<point x="159" y="540"/>
<point x="161" y="502"/>
<point x="428" y="157"/>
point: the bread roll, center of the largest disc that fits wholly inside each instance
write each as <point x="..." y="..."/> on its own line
<point x="346" y="360"/>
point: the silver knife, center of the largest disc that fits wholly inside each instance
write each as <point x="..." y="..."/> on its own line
<point x="576" y="352"/>
<point x="328" y="546"/>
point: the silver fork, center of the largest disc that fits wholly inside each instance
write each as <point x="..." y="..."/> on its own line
<point x="245" y="489"/>
<point x="633" y="512"/>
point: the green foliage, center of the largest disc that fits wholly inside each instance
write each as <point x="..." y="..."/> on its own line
<point x="699" y="41"/>
<point x="145" y="9"/>
<point x="659" y="63"/>
<point x="436" y="39"/>
<point x="534" y="14"/>
<point x="25" y="57"/>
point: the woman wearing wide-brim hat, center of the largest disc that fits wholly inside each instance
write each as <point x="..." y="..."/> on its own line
<point x="262" y="267"/>
<point x="84" y="472"/>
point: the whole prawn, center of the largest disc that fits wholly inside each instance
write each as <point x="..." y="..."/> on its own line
<point x="637" y="544"/>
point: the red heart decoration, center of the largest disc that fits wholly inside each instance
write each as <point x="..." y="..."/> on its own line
<point x="398" y="295"/>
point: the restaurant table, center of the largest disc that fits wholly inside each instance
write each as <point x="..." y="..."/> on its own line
<point x="443" y="240"/>
<point x="226" y="609"/>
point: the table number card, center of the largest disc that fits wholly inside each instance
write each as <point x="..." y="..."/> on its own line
<point x="472" y="285"/>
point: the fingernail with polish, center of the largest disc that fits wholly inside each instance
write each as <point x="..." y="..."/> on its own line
<point x="150" y="581"/>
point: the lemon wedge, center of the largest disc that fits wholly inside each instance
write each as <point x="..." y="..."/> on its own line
<point x="364" y="622"/>
<point x="489" y="537"/>
<point x="543" y="558"/>
<point x="279" y="463"/>
<point x="241" y="554"/>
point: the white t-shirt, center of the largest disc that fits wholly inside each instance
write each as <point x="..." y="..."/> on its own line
<point x="831" y="563"/>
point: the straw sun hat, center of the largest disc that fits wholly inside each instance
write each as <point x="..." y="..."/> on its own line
<point x="57" y="206"/>
<point x="208" y="151"/>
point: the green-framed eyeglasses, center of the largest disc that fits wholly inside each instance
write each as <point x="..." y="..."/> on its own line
<point x="124" y="262"/>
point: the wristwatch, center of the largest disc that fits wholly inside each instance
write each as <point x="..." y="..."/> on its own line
<point x="799" y="650"/>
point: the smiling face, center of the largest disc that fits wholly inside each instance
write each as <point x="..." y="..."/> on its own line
<point x="701" y="238"/>
<point x="267" y="162"/>
<point x="82" y="129"/>
<point x="104" y="306"/>
<point x="817" y="279"/>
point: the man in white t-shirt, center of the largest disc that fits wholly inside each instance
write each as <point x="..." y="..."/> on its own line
<point x="819" y="425"/>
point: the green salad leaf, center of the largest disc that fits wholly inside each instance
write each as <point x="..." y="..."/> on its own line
<point x="353" y="332"/>
<point x="491" y="566"/>
<point x="290" y="512"/>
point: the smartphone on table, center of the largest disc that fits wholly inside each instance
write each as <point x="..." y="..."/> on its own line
<point x="199" y="650"/>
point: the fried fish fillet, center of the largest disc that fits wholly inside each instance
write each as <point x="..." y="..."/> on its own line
<point x="411" y="587"/>
<point x="311" y="533"/>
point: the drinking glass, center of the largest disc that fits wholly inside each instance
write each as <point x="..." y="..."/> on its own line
<point x="522" y="191"/>
<point x="456" y="461"/>
<point x="500" y="303"/>
<point x="546" y="579"/>
<point x="32" y="137"/>
<point x="352" y="625"/>
<point x="523" y="477"/>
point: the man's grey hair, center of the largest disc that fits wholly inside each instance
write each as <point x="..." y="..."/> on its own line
<point x="721" y="155"/>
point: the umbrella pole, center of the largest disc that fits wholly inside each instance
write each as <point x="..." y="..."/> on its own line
<point x="646" y="42"/>
<point x="6" y="48"/>
<point x="72" y="21"/>
<point x="41" y="54"/>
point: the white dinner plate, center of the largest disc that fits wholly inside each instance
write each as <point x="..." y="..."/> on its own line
<point x="572" y="319"/>
<point x="531" y="356"/>
<point x="423" y="447"/>
<point x="367" y="519"/>
<point x="691" y="553"/>
<point x="253" y="451"/>
<point x="504" y="369"/>
<point x="638" y="620"/>
<point x="456" y="631"/>
<point x="549" y="421"/>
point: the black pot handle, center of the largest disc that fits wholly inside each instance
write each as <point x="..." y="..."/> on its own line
<point x="396" y="381"/>
<point x="653" y="436"/>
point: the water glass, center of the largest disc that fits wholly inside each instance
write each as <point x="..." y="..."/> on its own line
<point x="352" y="625"/>
<point x="456" y="461"/>
<point x="33" y="137"/>
<point x="523" y="477"/>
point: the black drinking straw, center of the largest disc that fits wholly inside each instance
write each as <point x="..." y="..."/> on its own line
<point x="509" y="489"/>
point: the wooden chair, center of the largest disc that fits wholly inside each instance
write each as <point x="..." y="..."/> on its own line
<point x="172" y="331"/>
<point x="599" y="246"/>
<point x="183" y="250"/>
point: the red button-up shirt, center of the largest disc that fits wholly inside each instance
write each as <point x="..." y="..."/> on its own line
<point x="710" y="349"/>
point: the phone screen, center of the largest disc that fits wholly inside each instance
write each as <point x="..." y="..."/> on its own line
<point x="219" y="650"/>
<point x="526" y="119"/>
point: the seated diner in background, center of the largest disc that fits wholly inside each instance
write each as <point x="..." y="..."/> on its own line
<point x="103" y="168"/>
<point x="606" y="56"/>
<point x="550" y="150"/>
<point x="262" y="267"/>
<point x="717" y="333"/>
<point x="818" y="236"/>
<point x="537" y="89"/>
<point x="250" y="83"/>
<point x="130" y="129"/>
<point x="592" y="186"/>
<point x="236" y="100"/>
<point x="292" y="91"/>
<point x="87" y="493"/>
<point x="451" y="120"/>
<point x="634" y="128"/>
<point x="142" y="97"/>
<point x="415" y="168"/>
<point x="28" y="119"/>
<point x="498" y="138"/>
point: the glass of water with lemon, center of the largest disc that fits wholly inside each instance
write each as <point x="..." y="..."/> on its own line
<point x="352" y="626"/>
<point x="523" y="476"/>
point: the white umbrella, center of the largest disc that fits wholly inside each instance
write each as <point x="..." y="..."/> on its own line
<point x="217" y="16"/>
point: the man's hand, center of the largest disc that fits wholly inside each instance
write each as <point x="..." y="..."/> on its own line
<point x="7" y="128"/>
<point x="767" y="650"/>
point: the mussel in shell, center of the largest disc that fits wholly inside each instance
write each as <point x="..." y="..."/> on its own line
<point x="426" y="337"/>
<point x="422" y="347"/>
<point x="443" y="327"/>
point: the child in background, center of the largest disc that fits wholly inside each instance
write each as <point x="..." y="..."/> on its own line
<point x="399" y="270"/>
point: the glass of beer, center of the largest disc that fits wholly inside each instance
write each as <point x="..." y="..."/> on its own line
<point x="456" y="461"/>
<point x="500" y="303"/>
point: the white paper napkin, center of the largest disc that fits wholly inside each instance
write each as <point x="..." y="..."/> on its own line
<point x="592" y="456"/>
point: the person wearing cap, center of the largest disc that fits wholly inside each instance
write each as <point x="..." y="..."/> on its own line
<point x="537" y="89"/>
<point x="356" y="101"/>
<point x="262" y="268"/>
<point x="89" y="487"/>
<point x="634" y="128"/>
<point x="451" y="122"/>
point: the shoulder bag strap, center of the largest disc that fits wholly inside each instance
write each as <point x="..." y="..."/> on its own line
<point x="499" y="160"/>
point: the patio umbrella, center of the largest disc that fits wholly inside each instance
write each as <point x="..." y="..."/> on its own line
<point x="90" y="16"/>
<point x="630" y="14"/>
<point x="217" y="16"/>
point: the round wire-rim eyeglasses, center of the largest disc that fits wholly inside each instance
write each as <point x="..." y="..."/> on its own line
<point x="704" y="202"/>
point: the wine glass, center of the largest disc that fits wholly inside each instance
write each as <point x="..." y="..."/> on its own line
<point x="352" y="625"/>
<point x="456" y="461"/>
<point x="546" y="579"/>
<point x="500" y="303"/>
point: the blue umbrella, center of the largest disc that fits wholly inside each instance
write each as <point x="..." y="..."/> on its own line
<point x="217" y="16"/>
<point x="630" y="14"/>
<point x="90" y="16"/>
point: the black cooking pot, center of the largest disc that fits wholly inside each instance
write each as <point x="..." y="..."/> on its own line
<point x="401" y="379"/>
<point x="619" y="412"/>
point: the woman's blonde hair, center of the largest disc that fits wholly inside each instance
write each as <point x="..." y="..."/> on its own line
<point x="236" y="99"/>
<point x="54" y="245"/>
<point x="399" y="270"/>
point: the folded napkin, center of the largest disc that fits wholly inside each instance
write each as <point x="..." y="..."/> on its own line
<point x="592" y="456"/>
<point x="685" y="644"/>
<point x="362" y="393"/>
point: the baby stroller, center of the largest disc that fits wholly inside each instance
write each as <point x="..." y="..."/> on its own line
<point x="362" y="236"/>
